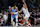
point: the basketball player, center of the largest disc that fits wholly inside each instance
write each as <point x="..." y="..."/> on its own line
<point x="26" y="12"/>
<point x="14" y="14"/>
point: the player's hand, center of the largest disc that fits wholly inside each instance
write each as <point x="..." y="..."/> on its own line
<point x="23" y="1"/>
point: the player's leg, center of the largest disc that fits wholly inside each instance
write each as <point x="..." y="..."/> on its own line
<point x="28" y="23"/>
<point x="12" y="18"/>
<point x="35" y="21"/>
<point x="16" y="20"/>
<point x="26" y="20"/>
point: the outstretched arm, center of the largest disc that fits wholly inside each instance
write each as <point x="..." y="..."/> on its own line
<point x="20" y="11"/>
<point x="25" y="5"/>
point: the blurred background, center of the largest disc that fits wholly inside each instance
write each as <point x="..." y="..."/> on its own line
<point x="33" y="6"/>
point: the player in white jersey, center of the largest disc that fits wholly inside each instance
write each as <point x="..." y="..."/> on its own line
<point x="26" y="12"/>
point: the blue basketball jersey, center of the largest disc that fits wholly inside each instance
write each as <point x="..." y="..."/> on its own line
<point x="14" y="10"/>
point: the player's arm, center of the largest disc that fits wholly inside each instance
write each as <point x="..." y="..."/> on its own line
<point x="10" y="9"/>
<point x="24" y="3"/>
<point x="19" y="15"/>
<point x="17" y="9"/>
<point x="20" y="11"/>
<point x="12" y="13"/>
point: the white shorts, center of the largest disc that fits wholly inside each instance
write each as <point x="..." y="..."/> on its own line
<point x="27" y="17"/>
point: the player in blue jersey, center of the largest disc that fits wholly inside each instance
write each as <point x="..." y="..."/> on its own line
<point x="14" y="14"/>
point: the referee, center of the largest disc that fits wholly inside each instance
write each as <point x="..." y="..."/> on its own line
<point x="9" y="15"/>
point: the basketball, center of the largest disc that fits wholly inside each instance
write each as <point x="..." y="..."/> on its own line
<point x="12" y="13"/>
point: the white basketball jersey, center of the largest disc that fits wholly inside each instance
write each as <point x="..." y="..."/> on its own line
<point x="25" y="11"/>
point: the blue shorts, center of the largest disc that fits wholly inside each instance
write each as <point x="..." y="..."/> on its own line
<point x="13" y="16"/>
